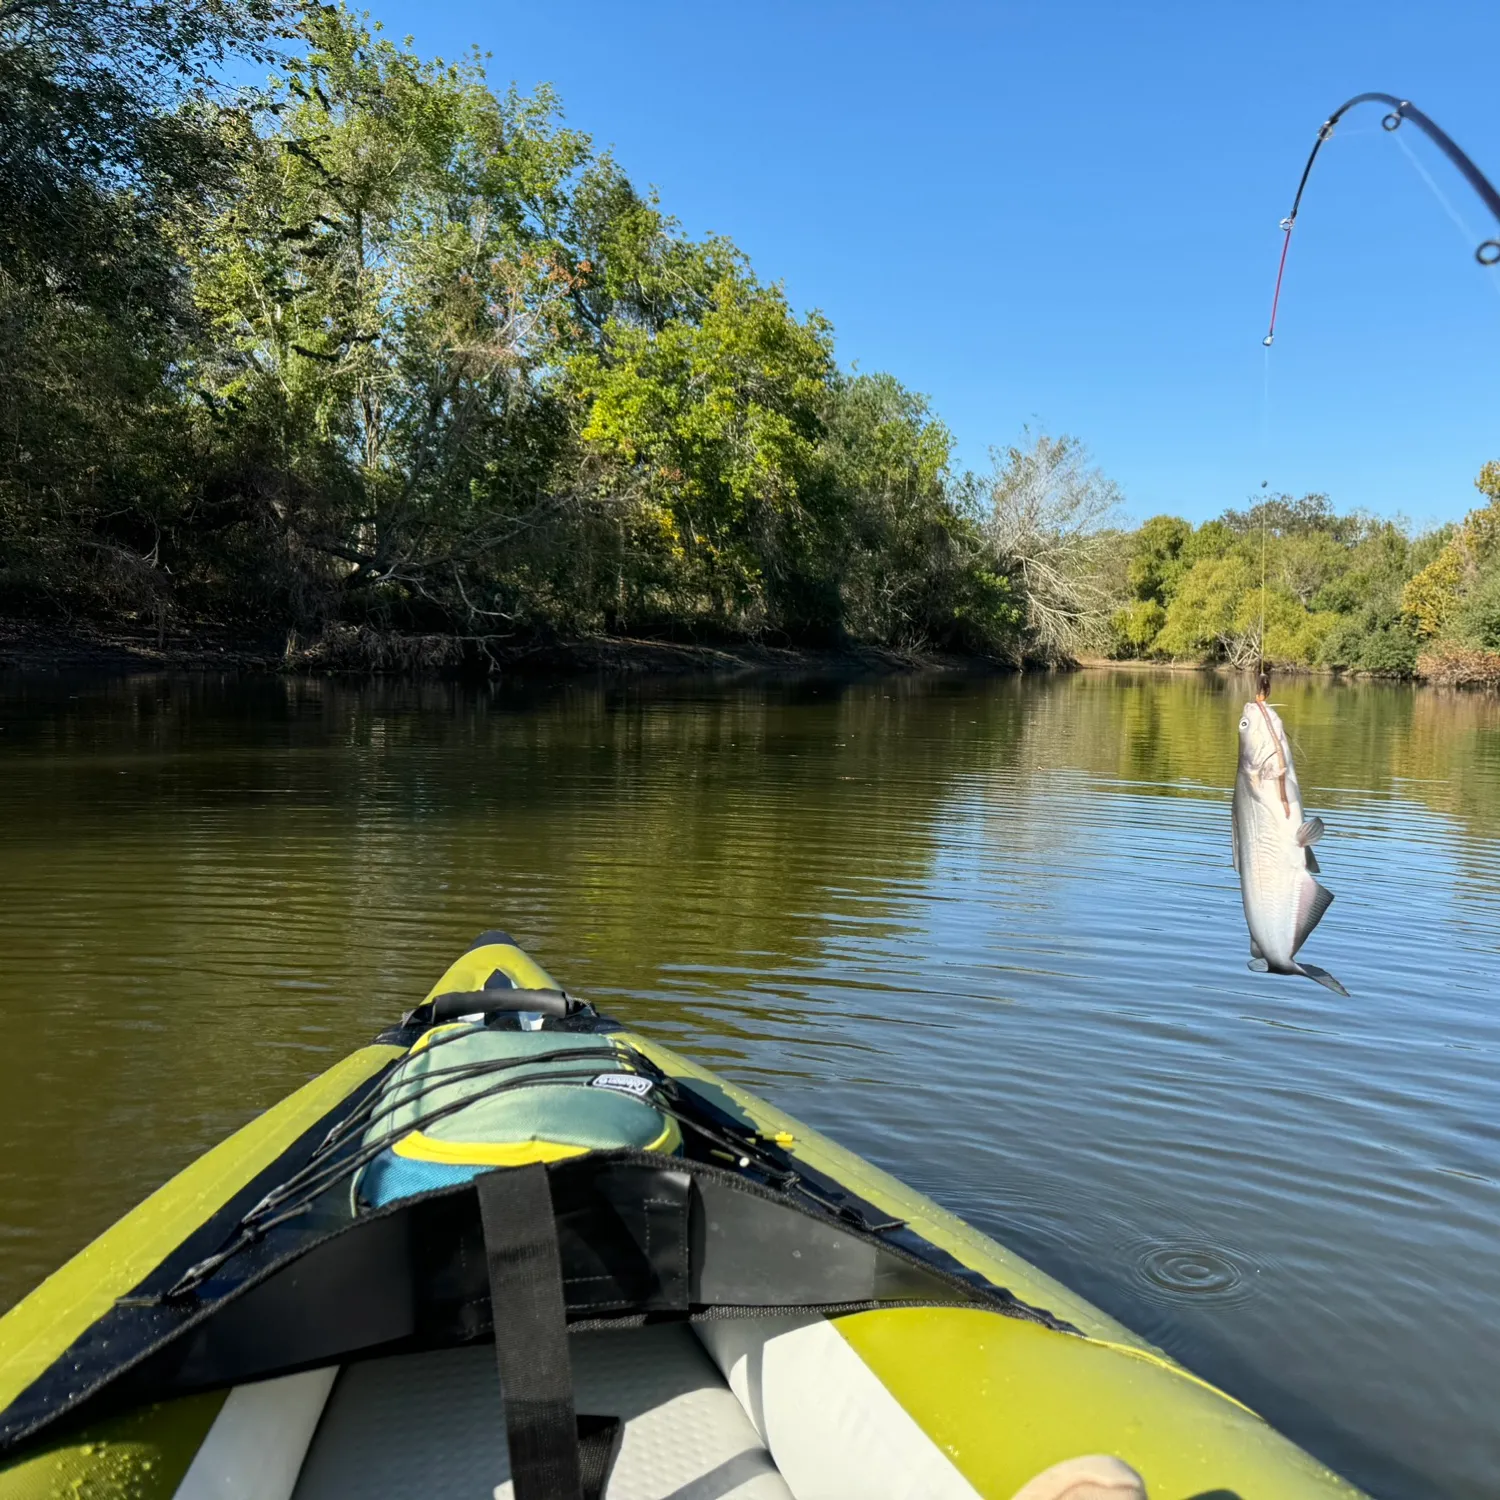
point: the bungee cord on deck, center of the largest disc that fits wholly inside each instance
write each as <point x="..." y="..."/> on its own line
<point x="1487" y="253"/>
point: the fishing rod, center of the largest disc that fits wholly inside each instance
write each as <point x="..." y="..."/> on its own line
<point x="1488" y="251"/>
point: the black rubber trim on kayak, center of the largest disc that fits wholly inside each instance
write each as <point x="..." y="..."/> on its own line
<point x="133" y="1323"/>
<point x="554" y="1453"/>
<point x="494" y="937"/>
<point x="412" y="1275"/>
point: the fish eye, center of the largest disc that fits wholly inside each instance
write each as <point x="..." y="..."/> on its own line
<point x="1244" y="723"/>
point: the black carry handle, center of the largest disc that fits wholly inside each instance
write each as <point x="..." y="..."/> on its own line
<point x="458" y="1003"/>
<point x="554" y="1454"/>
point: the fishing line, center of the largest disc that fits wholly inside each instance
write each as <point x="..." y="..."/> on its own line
<point x="1263" y="679"/>
<point x="1265" y="411"/>
<point x="1442" y="198"/>
<point x="1264" y="684"/>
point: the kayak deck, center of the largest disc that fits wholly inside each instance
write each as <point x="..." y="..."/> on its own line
<point x="730" y="1304"/>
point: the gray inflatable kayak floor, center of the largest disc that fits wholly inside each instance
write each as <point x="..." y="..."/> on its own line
<point x="431" y="1426"/>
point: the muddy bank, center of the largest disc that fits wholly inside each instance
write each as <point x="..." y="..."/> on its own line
<point x="1224" y="669"/>
<point x="1446" y="665"/>
<point x="33" y="646"/>
<point x="1220" y="669"/>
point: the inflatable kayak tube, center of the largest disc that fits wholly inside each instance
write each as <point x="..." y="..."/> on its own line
<point x="515" y="1249"/>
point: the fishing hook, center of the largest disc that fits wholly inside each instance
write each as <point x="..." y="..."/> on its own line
<point x="1401" y="110"/>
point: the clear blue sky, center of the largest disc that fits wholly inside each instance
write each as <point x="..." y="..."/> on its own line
<point x="1066" y="214"/>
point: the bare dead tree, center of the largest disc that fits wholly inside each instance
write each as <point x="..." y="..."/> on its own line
<point x="1048" y="522"/>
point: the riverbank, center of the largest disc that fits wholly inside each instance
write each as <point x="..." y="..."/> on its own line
<point x="1445" y="665"/>
<point x="40" y="647"/>
<point x="32" y="646"/>
<point x="1218" y="669"/>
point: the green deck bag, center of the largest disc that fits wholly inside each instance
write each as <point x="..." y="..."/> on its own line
<point x="468" y="1098"/>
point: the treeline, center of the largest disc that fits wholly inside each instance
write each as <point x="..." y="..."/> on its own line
<point x="1294" y="582"/>
<point x="377" y="348"/>
<point x="374" y="354"/>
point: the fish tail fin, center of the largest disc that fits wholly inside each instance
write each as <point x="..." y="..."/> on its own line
<point x="1324" y="978"/>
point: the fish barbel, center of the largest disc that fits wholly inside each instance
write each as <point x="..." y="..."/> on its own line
<point x="1273" y="850"/>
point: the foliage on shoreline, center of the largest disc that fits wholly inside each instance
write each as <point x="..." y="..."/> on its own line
<point x="1295" y="583"/>
<point x="375" y="354"/>
<point x="385" y="351"/>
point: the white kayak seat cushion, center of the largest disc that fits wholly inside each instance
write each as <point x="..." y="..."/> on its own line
<point x="256" y="1446"/>
<point x="833" y="1429"/>
<point x="431" y="1426"/>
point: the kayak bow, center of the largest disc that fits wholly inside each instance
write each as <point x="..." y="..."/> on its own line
<point x="678" y="1288"/>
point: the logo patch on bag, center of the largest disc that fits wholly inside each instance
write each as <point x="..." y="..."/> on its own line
<point x="623" y="1083"/>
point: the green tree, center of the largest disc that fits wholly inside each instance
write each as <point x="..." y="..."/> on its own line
<point x="1332" y="587"/>
<point x="1433" y="601"/>
<point x="1156" y="558"/>
<point x="1370" y="633"/>
<point x="1136" y="626"/>
<point x="380" y="349"/>
<point x="912" y="566"/>
<point x="385" y="286"/>
<point x="1213" y="539"/>
<point x="1203" y="618"/>
<point x="1304" y="563"/>
<point x="101" y="133"/>
<point x="1288" y="516"/>
<point x="107" y="127"/>
<point x="714" y="425"/>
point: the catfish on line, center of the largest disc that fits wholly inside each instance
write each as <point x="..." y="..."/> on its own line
<point x="1272" y="840"/>
<point x="1273" y="848"/>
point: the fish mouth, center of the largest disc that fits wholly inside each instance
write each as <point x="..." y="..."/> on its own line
<point x="1278" y="750"/>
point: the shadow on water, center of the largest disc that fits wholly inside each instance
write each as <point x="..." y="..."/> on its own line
<point x="984" y="932"/>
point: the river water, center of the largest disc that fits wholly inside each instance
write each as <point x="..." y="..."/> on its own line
<point x="984" y="932"/>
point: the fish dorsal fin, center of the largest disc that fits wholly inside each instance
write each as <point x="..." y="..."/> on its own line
<point x="1312" y="901"/>
<point x="1310" y="832"/>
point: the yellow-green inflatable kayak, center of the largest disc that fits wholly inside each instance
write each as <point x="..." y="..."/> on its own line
<point x="515" y="1249"/>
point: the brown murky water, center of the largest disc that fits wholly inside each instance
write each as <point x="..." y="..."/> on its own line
<point x="984" y="932"/>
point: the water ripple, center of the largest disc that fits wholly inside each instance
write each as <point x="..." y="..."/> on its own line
<point x="985" y="933"/>
<point x="1183" y="1270"/>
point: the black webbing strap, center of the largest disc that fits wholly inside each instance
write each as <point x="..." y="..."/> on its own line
<point x="554" y="1455"/>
